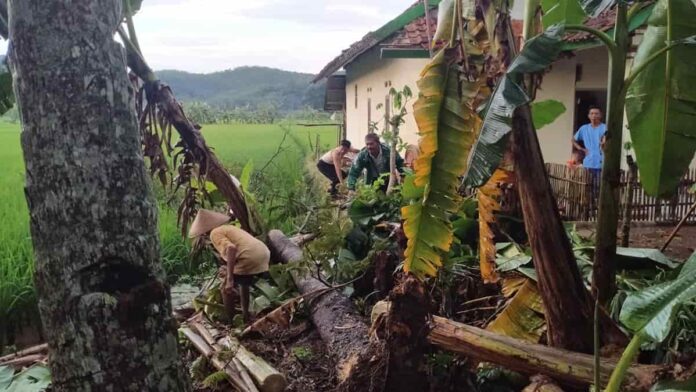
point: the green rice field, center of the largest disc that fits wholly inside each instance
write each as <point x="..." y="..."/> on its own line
<point x="234" y="144"/>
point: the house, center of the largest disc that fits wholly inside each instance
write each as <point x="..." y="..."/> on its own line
<point x="359" y="79"/>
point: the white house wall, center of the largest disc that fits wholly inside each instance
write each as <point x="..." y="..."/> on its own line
<point x="374" y="77"/>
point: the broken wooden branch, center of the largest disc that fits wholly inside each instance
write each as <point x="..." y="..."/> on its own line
<point x="264" y="375"/>
<point x="339" y="324"/>
<point x="567" y="366"/>
<point x="24" y="361"/>
<point x="38" y="349"/>
<point x="207" y="351"/>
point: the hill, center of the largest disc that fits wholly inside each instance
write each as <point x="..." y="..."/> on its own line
<point x="246" y="86"/>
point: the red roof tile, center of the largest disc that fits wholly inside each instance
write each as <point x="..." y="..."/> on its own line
<point x="602" y="22"/>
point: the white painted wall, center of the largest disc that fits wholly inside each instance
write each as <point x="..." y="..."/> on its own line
<point x="374" y="77"/>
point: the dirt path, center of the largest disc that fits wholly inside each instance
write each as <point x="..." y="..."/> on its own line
<point x="681" y="247"/>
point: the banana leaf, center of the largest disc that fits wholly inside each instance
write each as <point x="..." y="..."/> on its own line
<point x="523" y="316"/>
<point x="561" y="12"/>
<point x="546" y="112"/>
<point x="596" y="7"/>
<point x="675" y="386"/>
<point x="661" y="101"/>
<point x="488" y="206"/>
<point x="488" y="151"/>
<point x="650" y="312"/>
<point x="446" y="127"/>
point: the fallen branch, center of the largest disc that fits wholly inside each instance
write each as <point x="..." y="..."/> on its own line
<point x="38" y="349"/>
<point x="234" y="377"/>
<point x="571" y="367"/>
<point x="264" y="375"/>
<point x="20" y="362"/>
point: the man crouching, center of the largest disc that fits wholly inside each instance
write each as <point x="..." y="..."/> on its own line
<point x="245" y="256"/>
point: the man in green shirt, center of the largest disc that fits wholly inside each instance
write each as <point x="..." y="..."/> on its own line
<point x="374" y="160"/>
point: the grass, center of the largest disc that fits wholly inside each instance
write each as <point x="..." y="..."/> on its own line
<point x="279" y="188"/>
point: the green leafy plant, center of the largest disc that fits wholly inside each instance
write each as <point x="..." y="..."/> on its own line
<point x="650" y="313"/>
<point x="33" y="379"/>
<point x="661" y="109"/>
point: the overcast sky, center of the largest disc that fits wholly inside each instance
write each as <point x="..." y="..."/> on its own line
<point x="297" y="35"/>
<point x="214" y="35"/>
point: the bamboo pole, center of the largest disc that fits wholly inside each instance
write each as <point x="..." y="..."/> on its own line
<point x="678" y="227"/>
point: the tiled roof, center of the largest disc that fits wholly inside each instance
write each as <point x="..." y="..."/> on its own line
<point x="414" y="34"/>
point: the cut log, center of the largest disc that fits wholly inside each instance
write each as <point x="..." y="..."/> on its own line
<point x="204" y="348"/>
<point x="339" y="324"/>
<point x="567" y="366"/>
<point x="264" y="375"/>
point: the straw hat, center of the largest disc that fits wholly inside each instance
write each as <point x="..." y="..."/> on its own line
<point x="205" y="221"/>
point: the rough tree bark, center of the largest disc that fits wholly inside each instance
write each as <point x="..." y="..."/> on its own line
<point x="339" y="324"/>
<point x="103" y="299"/>
<point x="569" y="306"/>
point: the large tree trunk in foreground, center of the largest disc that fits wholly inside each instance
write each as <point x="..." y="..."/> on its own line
<point x="569" y="306"/>
<point x="337" y="321"/>
<point x="103" y="299"/>
<point x="570" y="367"/>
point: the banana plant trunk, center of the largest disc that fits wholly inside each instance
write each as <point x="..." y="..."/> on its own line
<point x="103" y="298"/>
<point x="604" y="267"/>
<point x="569" y="306"/>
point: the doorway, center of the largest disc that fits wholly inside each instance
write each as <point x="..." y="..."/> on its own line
<point x="584" y="100"/>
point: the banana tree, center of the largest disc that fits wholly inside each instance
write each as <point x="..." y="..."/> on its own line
<point x="660" y="109"/>
<point x="450" y="127"/>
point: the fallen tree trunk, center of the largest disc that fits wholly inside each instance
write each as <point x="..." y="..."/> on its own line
<point x="567" y="366"/>
<point x="339" y="324"/>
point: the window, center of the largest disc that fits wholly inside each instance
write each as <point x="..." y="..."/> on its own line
<point x="356" y="95"/>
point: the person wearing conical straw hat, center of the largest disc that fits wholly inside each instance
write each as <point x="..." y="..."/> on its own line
<point x="245" y="256"/>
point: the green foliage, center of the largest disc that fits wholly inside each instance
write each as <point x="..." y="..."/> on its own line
<point x="216" y="381"/>
<point x="546" y="112"/>
<point x="302" y="353"/>
<point x="370" y="205"/>
<point x="536" y="56"/>
<point x="6" y="93"/>
<point x="650" y="312"/>
<point x="250" y="88"/>
<point x="675" y="386"/>
<point x="660" y="107"/>
<point x="34" y="379"/>
<point x="562" y="12"/>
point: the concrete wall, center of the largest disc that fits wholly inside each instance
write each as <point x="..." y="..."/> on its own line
<point x="372" y="78"/>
